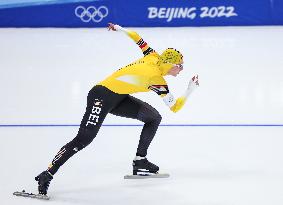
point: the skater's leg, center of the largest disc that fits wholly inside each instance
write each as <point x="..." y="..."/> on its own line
<point x="151" y="117"/>
<point x="134" y="108"/>
<point x="99" y="102"/>
<point x="87" y="132"/>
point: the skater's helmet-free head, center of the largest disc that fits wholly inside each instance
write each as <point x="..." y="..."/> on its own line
<point x="171" y="60"/>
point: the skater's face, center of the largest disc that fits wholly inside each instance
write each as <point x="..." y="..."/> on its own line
<point x="176" y="69"/>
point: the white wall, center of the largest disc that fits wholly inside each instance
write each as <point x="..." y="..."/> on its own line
<point x="47" y="73"/>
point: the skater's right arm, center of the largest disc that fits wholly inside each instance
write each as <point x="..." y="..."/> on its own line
<point x="133" y="35"/>
<point x="160" y="87"/>
<point x="176" y="105"/>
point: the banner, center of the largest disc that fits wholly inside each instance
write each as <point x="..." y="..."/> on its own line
<point x="139" y="13"/>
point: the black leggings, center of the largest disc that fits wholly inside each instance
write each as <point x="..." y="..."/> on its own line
<point x="100" y="102"/>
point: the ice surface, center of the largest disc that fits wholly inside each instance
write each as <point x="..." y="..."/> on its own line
<point x="207" y="166"/>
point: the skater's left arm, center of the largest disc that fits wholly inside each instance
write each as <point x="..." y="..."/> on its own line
<point x="175" y="104"/>
<point x="146" y="49"/>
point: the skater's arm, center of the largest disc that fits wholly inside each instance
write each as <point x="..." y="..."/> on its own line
<point x="133" y="35"/>
<point x="175" y="104"/>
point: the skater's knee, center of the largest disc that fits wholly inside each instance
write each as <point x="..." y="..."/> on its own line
<point x="83" y="139"/>
<point x="149" y="114"/>
<point x="158" y="118"/>
<point x="154" y="117"/>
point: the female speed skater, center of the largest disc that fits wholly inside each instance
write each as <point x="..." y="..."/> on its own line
<point x="112" y="95"/>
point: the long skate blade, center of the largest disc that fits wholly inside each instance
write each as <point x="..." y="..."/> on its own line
<point x="31" y="195"/>
<point x="146" y="176"/>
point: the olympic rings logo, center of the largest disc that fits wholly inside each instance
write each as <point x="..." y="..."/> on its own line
<point x="91" y="13"/>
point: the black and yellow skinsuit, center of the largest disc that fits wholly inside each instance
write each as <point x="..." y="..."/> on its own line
<point x="112" y="96"/>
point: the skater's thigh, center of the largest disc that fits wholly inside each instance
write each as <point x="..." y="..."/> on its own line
<point x="132" y="107"/>
<point x="129" y="107"/>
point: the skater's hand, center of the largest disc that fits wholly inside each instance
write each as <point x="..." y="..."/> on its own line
<point x="111" y="26"/>
<point x="194" y="82"/>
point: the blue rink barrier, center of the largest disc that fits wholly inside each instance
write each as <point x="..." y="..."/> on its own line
<point x="139" y="13"/>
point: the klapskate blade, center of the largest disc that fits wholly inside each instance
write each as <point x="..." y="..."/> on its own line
<point x="31" y="195"/>
<point x="146" y="176"/>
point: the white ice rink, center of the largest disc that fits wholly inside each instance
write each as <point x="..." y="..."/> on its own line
<point x="46" y="75"/>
